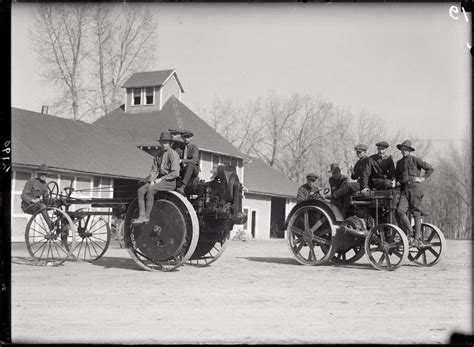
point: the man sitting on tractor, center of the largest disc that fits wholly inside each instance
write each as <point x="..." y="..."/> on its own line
<point x="189" y="161"/>
<point x="308" y="190"/>
<point x="382" y="168"/>
<point x="35" y="194"/>
<point x="408" y="173"/>
<point x="336" y="180"/>
<point x="162" y="176"/>
<point x="359" y="179"/>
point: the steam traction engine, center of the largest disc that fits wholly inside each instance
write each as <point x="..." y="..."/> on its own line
<point x="193" y="229"/>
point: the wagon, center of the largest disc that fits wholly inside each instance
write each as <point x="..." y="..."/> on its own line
<point x="192" y="229"/>
<point x="317" y="233"/>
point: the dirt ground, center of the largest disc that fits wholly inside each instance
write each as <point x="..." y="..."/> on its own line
<point x="255" y="293"/>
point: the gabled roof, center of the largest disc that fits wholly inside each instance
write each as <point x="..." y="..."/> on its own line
<point x="261" y="178"/>
<point x="147" y="126"/>
<point x="64" y="144"/>
<point x="151" y="79"/>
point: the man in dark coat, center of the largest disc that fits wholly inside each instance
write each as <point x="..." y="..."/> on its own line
<point x="335" y="182"/>
<point x="162" y="176"/>
<point x="35" y="194"/>
<point x="359" y="179"/>
<point x="308" y="190"/>
<point x="382" y="168"/>
<point x="189" y="160"/>
<point x="408" y="173"/>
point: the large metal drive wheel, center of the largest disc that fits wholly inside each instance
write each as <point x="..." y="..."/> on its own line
<point x="386" y="246"/>
<point x="433" y="246"/>
<point x="310" y="235"/>
<point x="92" y="237"/>
<point x="50" y="247"/>
<point x="170" y="237"/>
<point x="207" y="252"/>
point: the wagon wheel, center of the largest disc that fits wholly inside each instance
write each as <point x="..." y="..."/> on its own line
<point x="208" y="252"/>
<point x="53" y="192"/>
<point x="92" y="237"/>
<point x="169" y="239"/>
<point x="310" y="235"/>
<point x="386" y="246"/>
<point x="50" y="247"/>
<point x="434" y="243"/>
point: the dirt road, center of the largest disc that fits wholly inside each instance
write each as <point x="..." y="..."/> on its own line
<point x="255" y="293"/>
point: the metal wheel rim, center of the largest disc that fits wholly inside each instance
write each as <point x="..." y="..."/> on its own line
<point x="341" y="258"/>
<point x="296" y="246"/>
<point x="91" y="247"/>
<point x="39" y="239"/>
<point x="151" y="265"/>
<point x="431" y="255"/>
<point x="212" y="255"/>
<point x="387" y="246"/>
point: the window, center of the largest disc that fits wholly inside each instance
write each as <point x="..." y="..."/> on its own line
<point x="137" y="96"/>
<point x="233" y="162"/>
<point x="149" y="96"/>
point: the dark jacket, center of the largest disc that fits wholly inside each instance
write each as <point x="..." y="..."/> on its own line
<point x="381" y="168"/>
<point x="410" y="167"/>
<point x="361" y="172"/>
<point x="192" y="155"/>
<point x="304" y="192"/>
<point x="33" y="189"/>
<point x="336" y="182"/>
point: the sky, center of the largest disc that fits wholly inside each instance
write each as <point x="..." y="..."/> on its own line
<point x="407" y="63"/>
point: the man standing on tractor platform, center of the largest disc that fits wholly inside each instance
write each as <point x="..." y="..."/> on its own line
<point x="382" y="168"/>
<point x="189" y="161"/>
<point x="309" y="189"/>
<point x="408" y="173"/>
<point x="35" y="194"/>
<point x="162" y="178"/>
<point x="359" y="179"/>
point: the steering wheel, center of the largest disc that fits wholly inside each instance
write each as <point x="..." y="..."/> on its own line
<point x="53" y="191"/>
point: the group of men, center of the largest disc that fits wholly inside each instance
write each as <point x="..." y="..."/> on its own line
<point x="378" y="172"/>
<point x="178" y="157"/>
<point x="175" y="156"/>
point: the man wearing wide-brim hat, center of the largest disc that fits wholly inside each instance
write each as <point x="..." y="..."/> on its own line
<point x="162" y="176"/>
<point x="408" y="174"/>
<point x="309" y="190"/>
<point x="359" y="179"/>
<point x="35" y="194"/>
<point x="382" y="168"/>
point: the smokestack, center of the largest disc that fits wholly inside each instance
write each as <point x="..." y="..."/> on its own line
<point x="44" y="109"/>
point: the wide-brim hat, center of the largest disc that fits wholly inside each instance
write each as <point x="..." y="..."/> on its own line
<point x="361" y="148"/>
<point x="150" y="147"/>
<point x="174" y="132"/>
<point x="406" y="143"/>
<point x="165" y="136"/>
<point x="333" y="167"/>
<point x="312" y="175"/>
<point x="43" y="168"/>
<point x="382" y="144"/>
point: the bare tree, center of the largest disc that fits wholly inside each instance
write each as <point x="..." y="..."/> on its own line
<point x="89" y="50"/>
<point x="60" y="38"/>
<point x="124" y="42"/>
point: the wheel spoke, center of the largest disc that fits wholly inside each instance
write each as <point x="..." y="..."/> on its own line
<point x="389" y="264"/>
<point x="317" y="225"/>
<point x="424" y="257"/>
<point x="418" y="254"/>
<point x="296" y="230"/>
<point x="376" y="249"/>
<point x="398" y="254"/>
<point x="382" y="257"/>
<point x="436" y="254"/>
<point x="306" y="220"/>
<point x="311" y="252"/>
<point x="299" y="247"/>
<point x="322" y="240"/>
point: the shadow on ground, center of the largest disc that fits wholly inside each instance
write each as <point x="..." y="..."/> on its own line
<point x="117" y="263"/>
